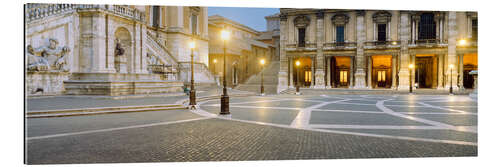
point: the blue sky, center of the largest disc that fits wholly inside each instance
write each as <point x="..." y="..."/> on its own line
<point x="251" y="17"/>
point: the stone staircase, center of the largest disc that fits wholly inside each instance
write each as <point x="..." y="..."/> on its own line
<point x="270" y="80"/>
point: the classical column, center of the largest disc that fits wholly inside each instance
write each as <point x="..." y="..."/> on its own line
<point x="404" y="55"/>
<point x="361" y="38"/>
<point x="452" y="55"/>
<point x="328" y="72"/>
<point x="369" y="71"/>
<point x="319" y="73"/>
<point x="461" y="71"/>
<point x="283" y="81"/>
<point x="440" y="71"/>
<point x="351" y="76"/>
<point x="393" y="71"/>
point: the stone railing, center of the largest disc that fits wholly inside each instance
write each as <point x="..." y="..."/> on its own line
<point x="382" y="44"/>
<point x="339" y="45"/>
<point x="297" y="46"/>
<point x="428" y="43"/>
<point x="162" y="50"/>
<point x="127" y="12"/>
<point x="35" y="11"/>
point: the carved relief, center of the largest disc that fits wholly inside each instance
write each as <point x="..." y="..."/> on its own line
<point x="340" y="19"/>
<point x="301" y="21"/>
<point x="48" y="58"/>
<point x="382" y="17"/>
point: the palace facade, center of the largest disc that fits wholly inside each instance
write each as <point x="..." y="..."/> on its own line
<point x="114" y="49"/>
<point x="371" y="49"/>
<point x="244" y="50"/>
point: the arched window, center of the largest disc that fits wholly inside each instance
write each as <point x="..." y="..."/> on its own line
<point x="427" y="26"/>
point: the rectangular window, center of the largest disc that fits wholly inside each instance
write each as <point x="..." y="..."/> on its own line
<point x="156" y="16"/>
<point x="381" y="76"/>
<point x="381" y="34"/>
<point x="339" y="35"/>
<point x="194" y="25"/>
<point x="474" y="29"/>
<point x="302" y="37"/>
<point x="427" y="26"/>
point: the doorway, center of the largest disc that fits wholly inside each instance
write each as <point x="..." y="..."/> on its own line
<point x="425" y="71"/>
<point x="340" y="71"/>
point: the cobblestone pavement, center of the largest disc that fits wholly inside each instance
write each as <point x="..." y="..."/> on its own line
<point x="278" y="127"/>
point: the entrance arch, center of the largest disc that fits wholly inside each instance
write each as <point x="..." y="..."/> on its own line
<point x="123" y="50"/>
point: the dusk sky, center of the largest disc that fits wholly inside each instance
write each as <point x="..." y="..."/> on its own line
<point x="251" y="17"/>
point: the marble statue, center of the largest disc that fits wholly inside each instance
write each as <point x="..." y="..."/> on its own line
<point x="36" y="63"/>
<point x="62" y="62"/>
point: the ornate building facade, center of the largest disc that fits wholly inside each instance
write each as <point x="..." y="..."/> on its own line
<point x="368" y="49"/>
<point x="243" y="50"/>
<point x="113" y="49"/>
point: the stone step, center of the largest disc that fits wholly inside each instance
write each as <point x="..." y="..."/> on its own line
<point x="101" y="109"/>
<point x="64" y="114"/>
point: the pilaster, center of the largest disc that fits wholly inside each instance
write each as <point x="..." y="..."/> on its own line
<point x="360" y="75"/>
<point x="283" y="81"/>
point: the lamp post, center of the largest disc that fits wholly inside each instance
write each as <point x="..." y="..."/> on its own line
<point x="224" y="110"/>
<point x="262" y="62"/>
<point x="297" y="86"/>
<point x="411" y="66"/>
<point x="192" y="92"/>
<point x="451" y="78"/>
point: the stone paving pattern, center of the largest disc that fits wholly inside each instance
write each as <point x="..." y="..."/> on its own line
<point x="222" y="140"/>
<point x="278" y="127"/>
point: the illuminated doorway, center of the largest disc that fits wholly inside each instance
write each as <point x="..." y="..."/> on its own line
<point x="340" y="71"/>
<point x="470" y="63"/>
<point x="381" y="71"/>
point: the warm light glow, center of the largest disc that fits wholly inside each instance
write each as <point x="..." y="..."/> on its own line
<point x="394" y="43"/>
<point x="462" y="42"/>
<point x="224" y="34"/>
<point x="215" y="60"/>
<point x="297" y="63"/>
<point x="451" y="66"/>
<point x="411" y="66"/>
<point x="262" y="61"/>
<point x="192" y="44"/>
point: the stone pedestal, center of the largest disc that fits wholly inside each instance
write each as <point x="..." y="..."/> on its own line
<point x="45" y="82"/>
<point x="404" y="80"/>
<point x="360" y="79"/>
<point x="116" y="84"/>
<point x="319" y="79"/>
<point x="282" y="81"/>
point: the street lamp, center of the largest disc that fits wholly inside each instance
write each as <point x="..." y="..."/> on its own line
<point x="411" y="66"/>
<point x="451" y="78"/>
<point x="262" y="62"/>
<point x="192" y="92"/>
<point x="224" y="110"/>
<point x="462" y="42"/>
<point x="297" y="89"/>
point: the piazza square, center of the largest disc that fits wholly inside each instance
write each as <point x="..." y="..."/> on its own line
<point x="111" y="83"/>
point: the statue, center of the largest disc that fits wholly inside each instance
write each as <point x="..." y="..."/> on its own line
<point x="120" y="64"/>
<point x="36" y="63"/>
<point x="51" y="53"/>
<point x="62" y="62"/>
<point x="46" y="58"/>
<point x="119" y="51"/>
